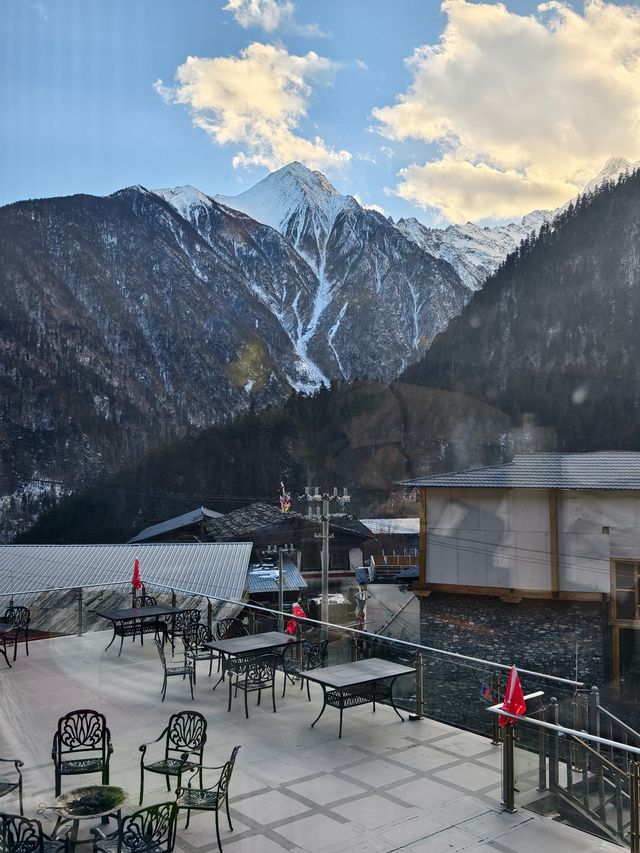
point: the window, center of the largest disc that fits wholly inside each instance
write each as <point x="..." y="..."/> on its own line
<point x="625" y="592"/>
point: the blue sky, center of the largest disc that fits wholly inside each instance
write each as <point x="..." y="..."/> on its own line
<point x="445" y="111"/>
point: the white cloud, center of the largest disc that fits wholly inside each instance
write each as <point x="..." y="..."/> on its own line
<point x="362" y="65"/>
<point x="270" y="15"/>
<point x="256" y="101"/>
<point x="524" y="109"/>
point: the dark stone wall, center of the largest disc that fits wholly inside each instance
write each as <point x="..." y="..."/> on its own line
<point x="534" y="634"/>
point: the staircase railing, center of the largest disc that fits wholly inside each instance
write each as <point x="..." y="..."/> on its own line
<point x="593" y="780"/>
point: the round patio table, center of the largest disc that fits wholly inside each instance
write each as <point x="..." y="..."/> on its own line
<point x="88" y="803"/>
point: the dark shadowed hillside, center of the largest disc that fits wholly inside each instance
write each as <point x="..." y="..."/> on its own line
<point x="364" y="436"/>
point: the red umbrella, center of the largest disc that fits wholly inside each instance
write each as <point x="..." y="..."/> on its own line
<point x="136" y="581"/>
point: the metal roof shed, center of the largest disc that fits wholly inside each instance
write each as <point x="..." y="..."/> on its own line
<point x="211" y="569"/>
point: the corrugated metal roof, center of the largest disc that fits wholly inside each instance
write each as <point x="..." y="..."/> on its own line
<point x="208" y="569"/>
<point x="265" y="578"/>
<point x="396" y="526"/>
<point x="602" y="471"/>
<point x="185" y="520"/>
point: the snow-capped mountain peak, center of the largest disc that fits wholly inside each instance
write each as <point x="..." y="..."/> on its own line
<point x="184" y="199"/>
<point x="291" y="193"/>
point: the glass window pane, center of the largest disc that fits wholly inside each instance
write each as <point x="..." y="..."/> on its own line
<point x="626" y="605"/>
<point x="624" y="576"/>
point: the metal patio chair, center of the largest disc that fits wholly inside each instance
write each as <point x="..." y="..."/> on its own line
<point x="81" y="744"/>
<point x="194" y="638"/>
<point x="229" y="629"/>
<point x="184" y="671"/>
<point x="210" y="799"/>
<point x="185" y="735"/>
<point x="314" y="656"/>
<point x="252" y="674"/>
<point x="181" y="622"/>
<point x="19" y="617"/>
<point x="18" y="834"/>
<point x="149" y="830"/>
<point x="9" y="785"/>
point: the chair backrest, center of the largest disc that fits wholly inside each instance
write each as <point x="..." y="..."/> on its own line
<point x="186" y="732"/>
<point x="259" y="669"/>
<point x="20" y="835"/>
<point x="81" y="731"/>
<point x="144" y="600"/>
<point x="228" y="629"/>
<point x="195" y="636"/>
<point x="225" y="776"/>
<point x="314" y="655"/>
<point x="160" y="649"/>
<point x="18" y="616"/>
<point x="185" y="619"/>
<point x="150" y="828"/>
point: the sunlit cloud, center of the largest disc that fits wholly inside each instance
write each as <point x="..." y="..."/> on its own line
<point x="270" y="15"/>
<point x="257" y="102"/>
<point x="523" y="109"/>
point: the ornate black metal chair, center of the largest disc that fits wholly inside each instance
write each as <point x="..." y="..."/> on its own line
<point x="20" y="835"/>
<point x="9" y="785"/>
<point x="229" y="629"/>
<point x="211" y="799"/>
<point x="19" y="617"/>
<point x="184" y="736"/>
<point x="152" y="625"/>
<point x="194" y="638"/>
<point x="252" y="674"/>
<point x="149" y="830"/>
<point x="314" y="656"/>
<point x="184" y="671"/>
<point x="82" y="744"/>
<point x="180" y="622"/>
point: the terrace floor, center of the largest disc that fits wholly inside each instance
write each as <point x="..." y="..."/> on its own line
<point x="386" y="786"/>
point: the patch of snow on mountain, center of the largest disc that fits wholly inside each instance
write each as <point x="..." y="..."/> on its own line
<point x="185" y="200"/>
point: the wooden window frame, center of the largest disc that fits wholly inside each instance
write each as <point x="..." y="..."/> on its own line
<point x="635" y="589"/>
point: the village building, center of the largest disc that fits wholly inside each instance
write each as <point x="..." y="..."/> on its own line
<point x="538" y="562"/>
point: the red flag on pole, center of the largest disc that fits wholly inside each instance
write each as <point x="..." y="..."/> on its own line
<point x="513" y="698"/>
<point x="136" y="581"/>
<point x="292" y="624"/>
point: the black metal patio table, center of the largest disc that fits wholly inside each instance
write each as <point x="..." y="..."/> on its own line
<point x="128" y="621"/>
<point x="251" y="644"/>
<point x="359" y="683"/>
<point x="5" y="627"/>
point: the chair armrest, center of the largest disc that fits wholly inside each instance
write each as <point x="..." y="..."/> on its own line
<point x="143" y="746"/>
<point x="15" y="761"/>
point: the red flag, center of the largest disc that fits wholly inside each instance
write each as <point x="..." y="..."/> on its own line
<point x="513" y="698"/>
<point x="292" y="624"/>
<point x="136" y="582"/>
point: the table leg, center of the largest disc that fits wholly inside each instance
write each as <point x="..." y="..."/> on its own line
<point x="324" y="705"/>
<point x="393" y="704"/>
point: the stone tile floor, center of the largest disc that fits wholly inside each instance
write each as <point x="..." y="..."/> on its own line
<point x="419" y="787"/>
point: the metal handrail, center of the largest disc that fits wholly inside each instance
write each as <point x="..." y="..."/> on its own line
<point x="553" y="727"/>
<point x="317" y="622"/>
<point x="601" y="758"/>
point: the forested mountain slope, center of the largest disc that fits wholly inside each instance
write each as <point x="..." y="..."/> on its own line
<point x="554" y="333"/>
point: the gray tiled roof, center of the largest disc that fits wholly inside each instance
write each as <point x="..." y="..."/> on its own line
<point x="248" y="520"/>
<point x="602" y="471"/>
<point x="185" y="520"/>
<point x="263" y="580"/>
<point x="208" y="569"/>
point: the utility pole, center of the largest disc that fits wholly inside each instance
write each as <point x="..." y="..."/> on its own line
<point x="324" y="516"/>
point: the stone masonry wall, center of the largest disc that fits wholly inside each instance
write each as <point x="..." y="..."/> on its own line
<point x="534" y="634"/>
